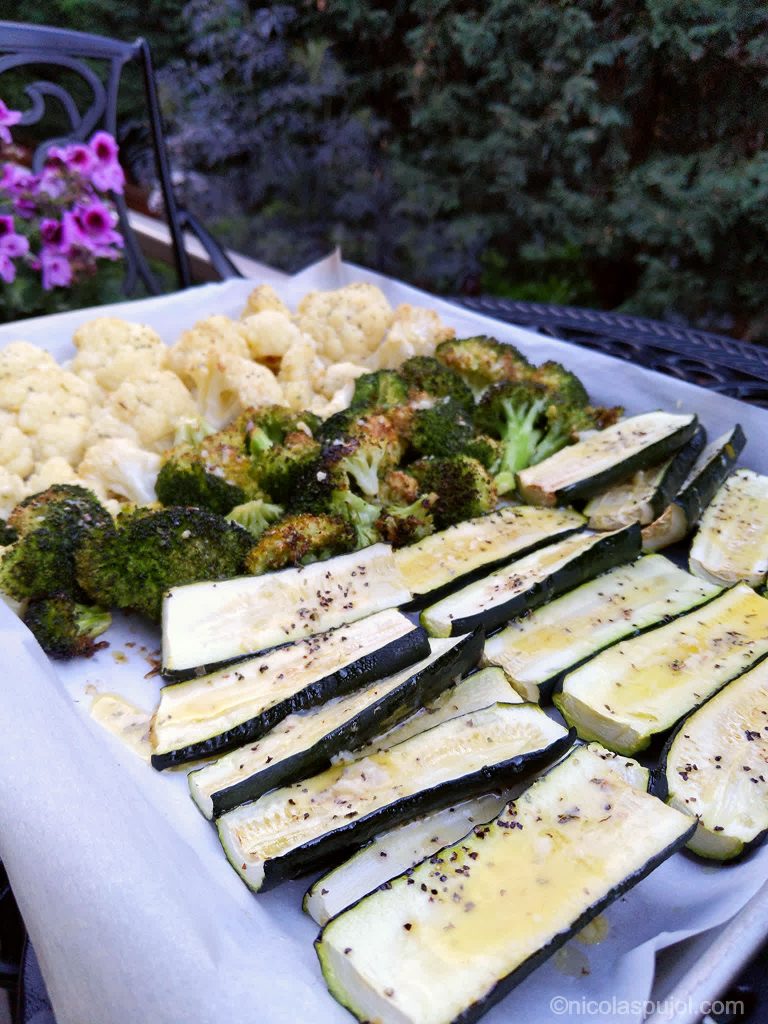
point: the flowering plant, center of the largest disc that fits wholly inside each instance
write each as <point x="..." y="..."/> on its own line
<point x="58" y="225"/>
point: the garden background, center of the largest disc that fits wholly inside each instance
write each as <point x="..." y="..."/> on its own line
<point x="612" y="154"/>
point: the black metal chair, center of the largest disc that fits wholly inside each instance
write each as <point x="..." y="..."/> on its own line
<point x="97" y="64"/>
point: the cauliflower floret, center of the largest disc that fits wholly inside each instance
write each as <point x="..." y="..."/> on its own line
<point x="270" y="334"/>
<point x="111" y="350"/>
<point x="21" y="357"/>
<point x="152" y="406"/>
<point x="54" y="412"/>
<point x="61" y="435"/>
<point x="12" y="490"/>
<point x="348" y="322"/>
<point x="106" y="425"/>
<point x="16" y="453"/>
<point x="52" y="471"/>
<point x="298" y="368"/>
<point x="415" y="331"/>
<point x="217" y="334"/>
<point x="338" y="376"/>
<point x="225" y="385"/>
<point x="118" y="469"/>
<point x="264" y="298"/>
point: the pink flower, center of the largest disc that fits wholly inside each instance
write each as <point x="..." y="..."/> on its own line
<point x="95" y="221"/>
<point x="7" y="269"/>
<point x="79" y="157"/>
<point x="56" y="269"/>
<point x="7" y="118"/>
<point x="16" y="179"/>
<point x="107" y="175"/>
<point x="12" y="244"/>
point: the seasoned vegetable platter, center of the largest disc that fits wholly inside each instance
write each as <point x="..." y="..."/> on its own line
<point x="184" y="919"/>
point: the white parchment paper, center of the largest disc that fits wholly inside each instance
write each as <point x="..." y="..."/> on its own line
<point x="134" y="912"/>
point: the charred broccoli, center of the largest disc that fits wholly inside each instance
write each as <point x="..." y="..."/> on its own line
<point x="64" y="628"/>
<point x="561" y="382"/>
<point x="428" y="376"/>
<point x="361" y="515"/>
<point x="482" y="361"/>
<point x="50" y="526"/>
<point x="255" y="516"/>
<point x="280" y="468"/>
<point x="463" y="488"/>
<point x="487" y="450"/>
<point x="271" y="424"/>
<point x="298" y="540"/>
<point x="405" y="524"/>
<point x="215" y="472"/>
<point x="442" y="429"/>
<point x="154" y="550"/>
<point x="379" y="390"/>
<point x="7" y="534"/>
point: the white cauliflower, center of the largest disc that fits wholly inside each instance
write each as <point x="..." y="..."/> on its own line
<point x="118" y="469"/>
<point x="347" y="323"/>
<point x="298" y="368"/>
<point x="264" y="298"/>
<point x="61" y="435"/>
<point x="16" y="453"/>
<point x="217" y="334"/>
<point x="54" y="413"/>
<point x="21" y="357"/>
<point x="415" y="331"/>
<point x="105" y="424"/>
<point x="12" y="490"/>
<point x="336" y="376"/>
<point x="53" y="471"/>
<point x="111" y="350"/>
<point x="269" y="335"/>
<point x="152" y="406"/>
<point x="225" y="385"/>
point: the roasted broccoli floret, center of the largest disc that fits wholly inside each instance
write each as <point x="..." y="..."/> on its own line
<point x="515" y="413"/>
<point x="405" y="524"/>
<point x="215" y="473"/>
<point x="379" y="390"/>
<point x="427" y="375"/>
<point x="64" y="628"/>
<point x="366" y="461"/>
<point x="280" y="468"/>
<point x="463" y="488"/>
<point x="7" y="534"/>
<point x="271" y="424"/>
<point x="298" y="540"/>
<point x="487" y="450"/>
<point x="51" y="526"/>
<point x="154" y="550"/>
<point x="255" y="516"/>
<point x="361" y="515"/>
<point x="442" y="429"/>
<point x="557" y="380"/>
<point x="482" y="361"/>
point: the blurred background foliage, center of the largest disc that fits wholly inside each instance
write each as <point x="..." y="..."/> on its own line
<point x="595" y="152"/>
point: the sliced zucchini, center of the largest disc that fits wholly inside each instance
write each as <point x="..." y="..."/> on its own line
<point x="393" y="852"/>
<point x="298" y="828"/>
<point x="445" y="941"/>
<point x="205" y="624"/>
<point x="441" y="560"/>
<point x="705" y="478"/>
<point x="536" y="650"/>
<point x="642" y="687"/>
<point x="716" y="768"/>
<point x="604" y="458"/>
<point x="305" y="742"/>
<point x="205" y="716"/>
<point x="732" y="540"/>
<point x="531" y="581"/>
<point x="644" y="496"/>
<point x="489" y="686"/>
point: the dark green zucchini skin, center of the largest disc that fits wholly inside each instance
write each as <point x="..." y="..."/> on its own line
<point x="650" y="456"/>
<point x="609" y="551"/>
<point x="320" y="852"/>
<point x="422" y="600"/>
<point x="418" y="690"/>
<point x="700" y="492"/>
<point x="385" y="661"/>
<point x="678" y="469"/>
<point x="505" y="985"/>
